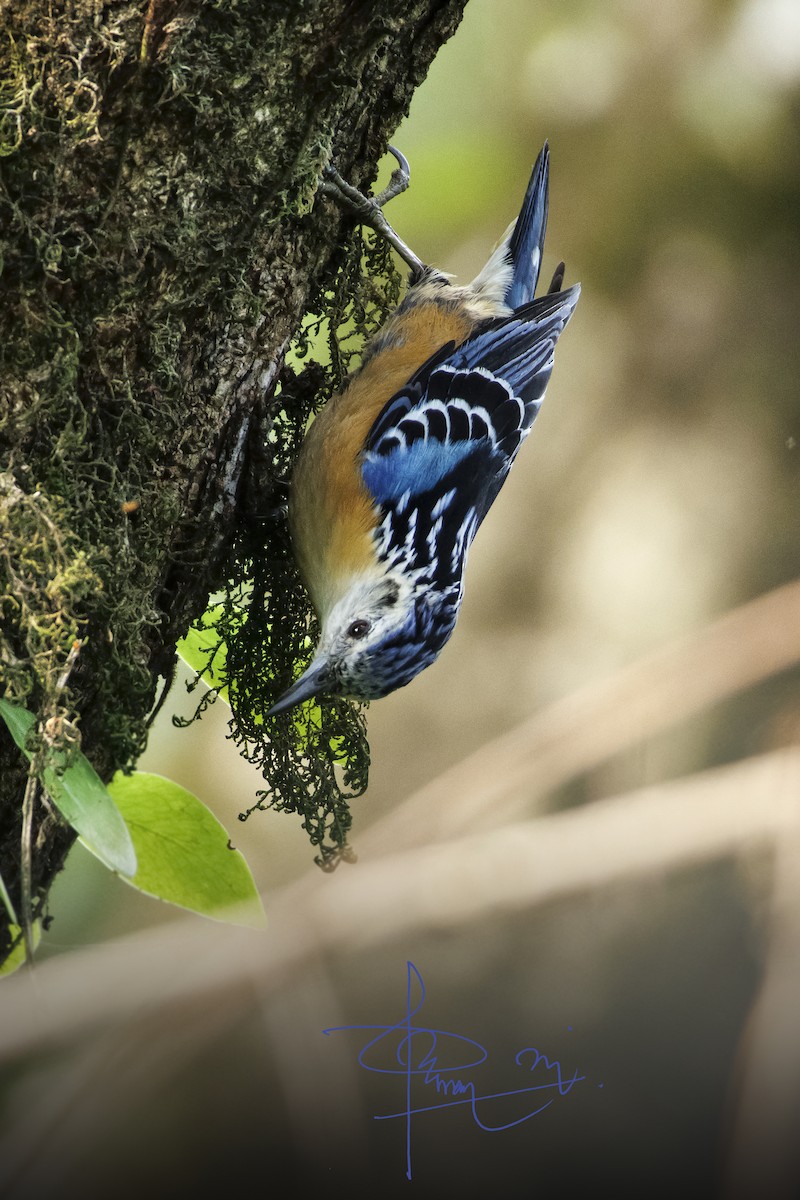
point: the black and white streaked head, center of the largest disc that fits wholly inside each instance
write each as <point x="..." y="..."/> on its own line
<point x="432" y="463"/>
<point x="398" y="629"/>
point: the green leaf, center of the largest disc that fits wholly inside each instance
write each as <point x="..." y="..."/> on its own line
<point x="17" y="956"/>
<point x="81" y="797"/>
<point x="183" y="851"/>
<point x="18" y="720"/>
<point x="195" y="650"/>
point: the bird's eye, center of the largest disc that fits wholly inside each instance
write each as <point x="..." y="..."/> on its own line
<point x="358" y="629"/>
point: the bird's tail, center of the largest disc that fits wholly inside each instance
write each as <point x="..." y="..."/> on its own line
<point x="526" y="245"/>
<point x="509" y="277"/>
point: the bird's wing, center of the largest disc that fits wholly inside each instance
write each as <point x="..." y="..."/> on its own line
<point x="520" y="349"/>
<point x="431" y="436"/>
<point x="462" y="417"/>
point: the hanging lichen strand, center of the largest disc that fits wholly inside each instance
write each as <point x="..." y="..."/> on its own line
<point x="315" y="759"/>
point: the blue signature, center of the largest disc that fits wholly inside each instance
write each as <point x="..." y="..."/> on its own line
<point x="417" y="1051"/>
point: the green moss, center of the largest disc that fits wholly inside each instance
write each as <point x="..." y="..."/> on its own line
<point x="120" y="230"/>
<point x="46" y="577"/>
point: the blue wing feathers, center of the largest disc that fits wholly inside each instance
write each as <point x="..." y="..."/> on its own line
<point x="499" y="373"/>
<point x="417" y="468"/>
<point x="457" y="424"/>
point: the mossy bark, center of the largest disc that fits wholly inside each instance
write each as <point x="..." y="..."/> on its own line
<point x="160" y="236"/>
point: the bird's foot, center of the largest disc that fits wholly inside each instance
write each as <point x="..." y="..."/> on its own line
<point x="369" y="209"/>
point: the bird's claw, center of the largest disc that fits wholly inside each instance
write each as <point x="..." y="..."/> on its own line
<point x="349" y="196"/>
<point x="400" y="179"/>
<point x="368" y="209"/>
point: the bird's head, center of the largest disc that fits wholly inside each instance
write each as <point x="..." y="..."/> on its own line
<point x="376" y="637"/>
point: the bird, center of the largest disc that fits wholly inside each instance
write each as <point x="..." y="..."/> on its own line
<point x="397" y="471"/>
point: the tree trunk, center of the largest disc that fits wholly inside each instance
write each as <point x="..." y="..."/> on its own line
<point x="160" y="241"/>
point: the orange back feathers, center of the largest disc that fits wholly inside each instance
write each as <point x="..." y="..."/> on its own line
<point x="332" y="515"/>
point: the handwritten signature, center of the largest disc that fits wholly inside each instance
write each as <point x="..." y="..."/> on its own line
<point x="415" y="1052"/>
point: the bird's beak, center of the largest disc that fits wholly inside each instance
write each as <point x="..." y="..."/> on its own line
<point x="317" y="678"/>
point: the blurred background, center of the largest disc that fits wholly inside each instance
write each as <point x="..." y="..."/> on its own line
<point x="582" y="824"/>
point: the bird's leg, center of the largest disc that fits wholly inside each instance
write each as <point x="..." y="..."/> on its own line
<point x="369" y="209"/>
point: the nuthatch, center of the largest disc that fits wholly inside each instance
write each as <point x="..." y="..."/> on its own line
<point x="397" y="472"/>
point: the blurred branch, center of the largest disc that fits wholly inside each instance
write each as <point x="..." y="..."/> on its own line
<point x="509" y="866"/>
<point x="506" y="777"/>
<point x="728" y="810"/>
